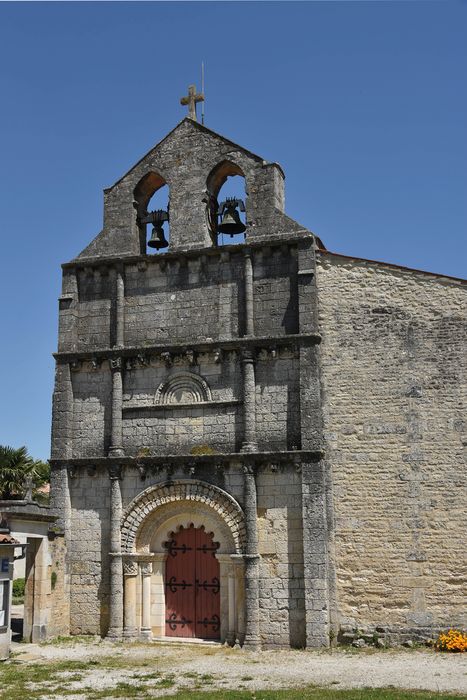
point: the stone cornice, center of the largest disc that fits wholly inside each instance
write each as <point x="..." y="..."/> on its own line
<point x="247" y="343"/>
<point x="263" y="242"/>
<point x="272" y="460"/>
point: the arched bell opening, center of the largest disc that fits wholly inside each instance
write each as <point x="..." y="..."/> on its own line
<point x="184" y="575"/>
<point x="227" y="203"/>
<point x="152" y="203"/>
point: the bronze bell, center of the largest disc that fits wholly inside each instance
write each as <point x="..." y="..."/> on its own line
<point x="158" y="239"/>
<point x="231" y="222"/>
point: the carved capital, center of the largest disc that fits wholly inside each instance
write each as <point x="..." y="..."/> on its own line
<point x="249" y="469"/>
<point x="115" y="364"/>
<point x="130" y="567"/>
<point x="248" y="355"/>
<point x="115" y="471"/>
<point x="146" y="568"/>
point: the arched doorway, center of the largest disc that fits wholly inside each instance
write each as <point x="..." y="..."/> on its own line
<point x="168" y="518"/>
<point x="192" y="583"/>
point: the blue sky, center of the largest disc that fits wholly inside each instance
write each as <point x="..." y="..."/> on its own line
<point x="363" y="104"/>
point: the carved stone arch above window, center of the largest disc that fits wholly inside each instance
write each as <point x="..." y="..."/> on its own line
<point x="183" y="387"/>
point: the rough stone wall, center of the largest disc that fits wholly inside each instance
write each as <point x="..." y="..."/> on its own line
<point x="280" y="544"/>
<point x="91" y="412"/>
<point x="276" y="291"/>
<point x="178" y="302"/>
<point x="277" y="401"/>
<point x="393" y="372"/>
<point x="88" y="548"/>
<point x="59" y="622"/>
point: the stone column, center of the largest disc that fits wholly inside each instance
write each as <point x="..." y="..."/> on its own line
<point x="231" y="633"/>
<point x="115" y="555"/>
<point x="130" y="573"/>
<point x="249" y="304"/>
<point x="116" y="439"/>
<point x="252" y="636"/>
<point x="158" y="593"/>
<point x="120" y="309"/>
<point x="146" y="572"/>
<point x="249" y="402"/>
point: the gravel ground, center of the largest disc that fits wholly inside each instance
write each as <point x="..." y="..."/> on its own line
<point x="224" y="668"/>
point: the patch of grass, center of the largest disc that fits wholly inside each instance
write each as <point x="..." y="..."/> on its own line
<point x="75" y="639"/>
<point x="310" y="693"/>
<point x="247" y="678"/>
<point x="23" y="681"/>
<point x="147" y="676"/>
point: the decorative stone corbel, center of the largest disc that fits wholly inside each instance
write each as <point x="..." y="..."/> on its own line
<point x="143" y="360"/>
<point x="218" y="355"/>
<point x="142" y="469"/>
<point x="95" y="363"/>
<point x="91" y="470"/>
<point x="75" y="365"/>
<point x="71" y="471"/>
<point x="130" y="363"/>
<point x="190" y="356"/>
<point x="167" y="358"/>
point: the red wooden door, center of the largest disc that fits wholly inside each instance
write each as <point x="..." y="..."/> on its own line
<point x="192" y="585"/>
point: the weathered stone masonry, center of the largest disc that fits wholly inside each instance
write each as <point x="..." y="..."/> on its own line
<point x="192" y="388"/>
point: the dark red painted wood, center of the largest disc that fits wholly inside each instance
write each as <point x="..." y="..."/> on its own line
<point x="192" y="587"/>
<point x="207" y="599"/>
<point x="180" y="584"/>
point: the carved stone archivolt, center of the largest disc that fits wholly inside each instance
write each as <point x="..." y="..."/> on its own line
<point x="183" y="387"/>
<point x="192" y="492"/>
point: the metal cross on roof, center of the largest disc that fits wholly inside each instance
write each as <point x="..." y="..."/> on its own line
<point x="191" y="100"/>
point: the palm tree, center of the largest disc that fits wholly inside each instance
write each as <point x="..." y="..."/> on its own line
<point x="16" y="468"/>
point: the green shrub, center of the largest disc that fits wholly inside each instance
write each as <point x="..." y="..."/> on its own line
<point x="18" y="588"/>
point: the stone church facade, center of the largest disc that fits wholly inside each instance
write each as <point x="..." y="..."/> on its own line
<point x="259" y="443"/>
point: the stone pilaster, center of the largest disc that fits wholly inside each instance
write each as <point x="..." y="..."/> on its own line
<point x="315" y="554"/>
<point x="251" y="558"/>
<point x="62" y="435"/>
<point x="249" y="402"/>
<point x="62" y="425"/>
<point x="116" y="448"/>
<point x="115" y="555"/>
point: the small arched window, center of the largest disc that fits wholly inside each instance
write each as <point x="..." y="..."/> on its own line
<point x="152" y="202"/>
<point x="226" y="210"/>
